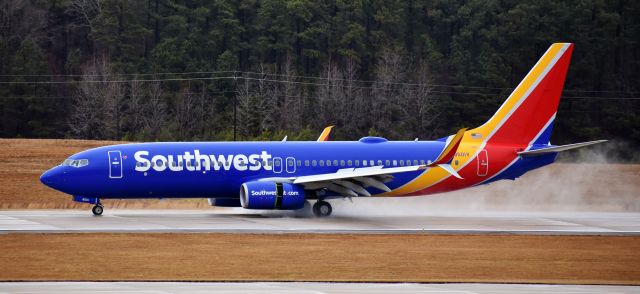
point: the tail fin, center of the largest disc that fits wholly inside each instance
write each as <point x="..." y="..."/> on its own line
<point x="526" y="117"/>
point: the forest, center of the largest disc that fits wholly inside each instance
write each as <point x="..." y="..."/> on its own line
<point x="261" y="69"/>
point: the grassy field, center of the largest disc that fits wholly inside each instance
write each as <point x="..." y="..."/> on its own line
<point x="321" y="257"/>
<point x="561" y="186"/>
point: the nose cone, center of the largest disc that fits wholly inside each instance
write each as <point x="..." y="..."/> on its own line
<point x="53" y="178"/>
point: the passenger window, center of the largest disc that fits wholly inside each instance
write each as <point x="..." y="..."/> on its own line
<point x="321" y="162"/>
<point x="387" y="162"/>
<point x="335" y="162"/>
<point x="328" y="162"/>
<point x="379" y="162"/>
<point x="299" y="162"/>
<point x="342" y="163"/>
<point x="401" y="162"/>
<point x="357" y="162"/>
<point x="313" y="163"/>
<point x="364" y="163"/>
<point x="349" y="163"/>
<point x="415" y="162"/>
<point x="395" y="163"/>
<point x="422" y="161"/>
<point x="306" y="163"/>
<point x="371" y="163"/>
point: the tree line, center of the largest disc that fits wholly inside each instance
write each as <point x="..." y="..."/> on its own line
<point x="262" y="69"/>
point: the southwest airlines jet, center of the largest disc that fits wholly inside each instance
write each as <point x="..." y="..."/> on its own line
<point x="284" y="175"/>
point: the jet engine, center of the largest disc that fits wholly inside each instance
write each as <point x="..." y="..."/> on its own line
<point x="270" y="195"/>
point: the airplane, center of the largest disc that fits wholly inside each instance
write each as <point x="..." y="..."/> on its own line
<point x="289" y="175"/>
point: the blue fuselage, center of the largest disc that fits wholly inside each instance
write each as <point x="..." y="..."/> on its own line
<point x="172" y="170"/>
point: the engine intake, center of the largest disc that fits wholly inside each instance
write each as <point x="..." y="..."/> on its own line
<point x="270" y="195"/>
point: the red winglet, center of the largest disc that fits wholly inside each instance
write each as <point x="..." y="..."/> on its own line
<point x="450" y="150"/>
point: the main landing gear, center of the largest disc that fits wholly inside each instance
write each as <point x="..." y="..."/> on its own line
<point x="97" y="209"/>
<point x="322" y="208"/>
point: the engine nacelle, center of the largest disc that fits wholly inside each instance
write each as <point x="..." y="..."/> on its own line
<point x="270" y="195"/>
<point x="224" y="202"/>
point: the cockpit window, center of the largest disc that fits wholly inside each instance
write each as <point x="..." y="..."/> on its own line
<point x="75" y="162"/>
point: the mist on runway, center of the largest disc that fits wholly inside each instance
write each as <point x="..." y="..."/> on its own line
<point x="592" y="184"/>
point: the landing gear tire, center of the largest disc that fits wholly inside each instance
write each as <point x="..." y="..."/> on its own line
<point x="97" y="210"/>
<point x="322" y="209"/>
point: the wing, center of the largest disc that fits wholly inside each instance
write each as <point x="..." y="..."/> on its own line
<point x="350" y="181"/>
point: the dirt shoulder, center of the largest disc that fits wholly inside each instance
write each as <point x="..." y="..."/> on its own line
<point x="321" y="257"/>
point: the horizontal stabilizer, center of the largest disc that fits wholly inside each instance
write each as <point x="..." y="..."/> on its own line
<point x="556" y="149"/>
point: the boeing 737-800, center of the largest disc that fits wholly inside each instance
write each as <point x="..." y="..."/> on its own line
<point x="285" y="175"/>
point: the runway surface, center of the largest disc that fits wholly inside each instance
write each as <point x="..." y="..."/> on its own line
<point x="173" y="287"/>
<point x="64" y="221"/>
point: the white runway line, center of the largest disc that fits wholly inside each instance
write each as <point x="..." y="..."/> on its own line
<point x="56" y="221"/>
<point x="295" y="287"/>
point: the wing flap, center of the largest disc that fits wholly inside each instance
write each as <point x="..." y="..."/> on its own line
<point x="356" y="172"/>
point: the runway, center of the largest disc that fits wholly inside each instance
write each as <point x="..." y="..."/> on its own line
<point x="173" y="287"/>
<point x="240" y="221"/>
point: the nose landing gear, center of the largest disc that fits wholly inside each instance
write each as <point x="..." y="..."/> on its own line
<point x="97" y="209"/>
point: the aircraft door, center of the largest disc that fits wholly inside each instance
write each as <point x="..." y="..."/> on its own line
<point x="483" y="163"/>
<point x="291" y="165"/>
<point x="277" y="165"/>
<point x="115" y="164"/>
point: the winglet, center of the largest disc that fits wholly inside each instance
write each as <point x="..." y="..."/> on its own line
<point x="324" y="136"/>
<point x="450" y="170"/>
<point x="450" y="150"/>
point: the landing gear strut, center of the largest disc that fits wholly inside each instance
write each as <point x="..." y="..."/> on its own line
<point x="322" y="208"/>
<point x="97" y="209"/>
